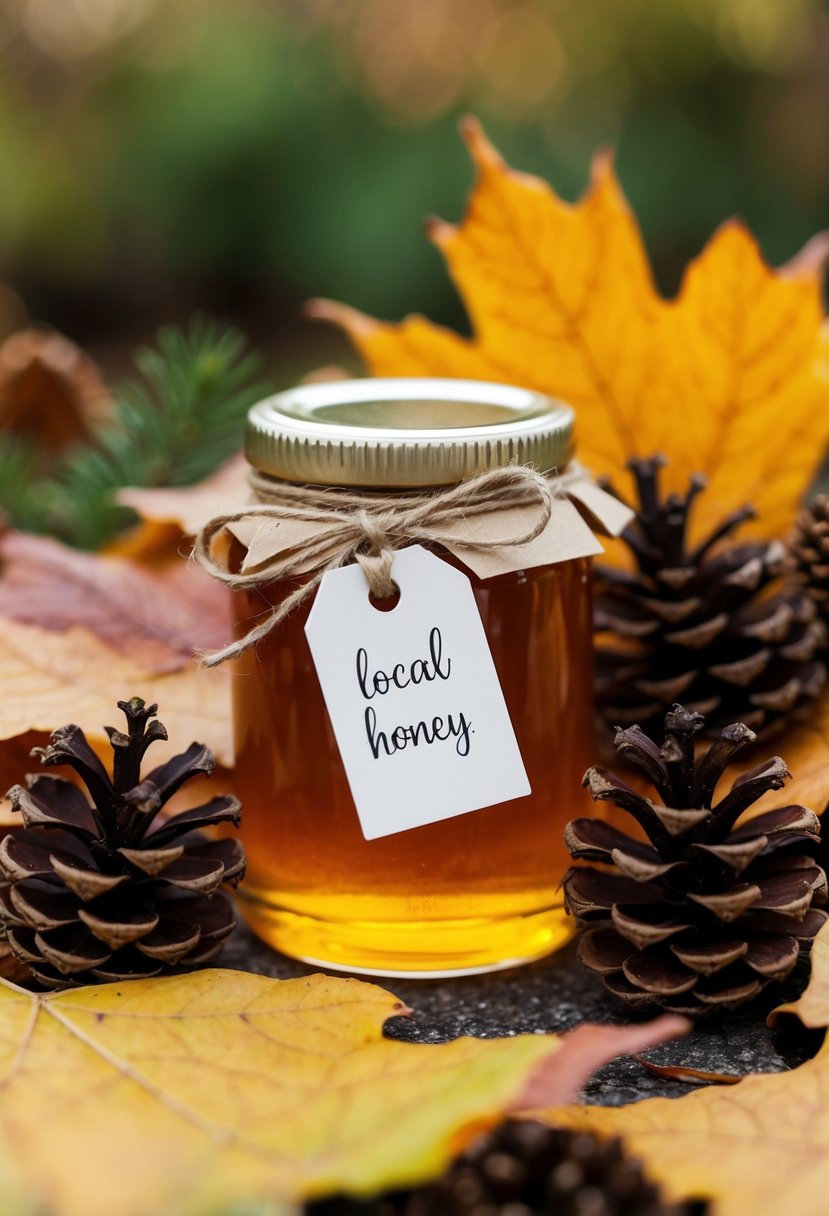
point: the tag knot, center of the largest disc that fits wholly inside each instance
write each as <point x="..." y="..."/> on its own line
<point x="376" y="556"/>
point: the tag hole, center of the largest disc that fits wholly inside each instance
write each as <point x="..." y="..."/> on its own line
<point x="388" y="604"/>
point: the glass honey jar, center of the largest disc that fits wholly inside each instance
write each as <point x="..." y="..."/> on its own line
<point x="475" y="891"/>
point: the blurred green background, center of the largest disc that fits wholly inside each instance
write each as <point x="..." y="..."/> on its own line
<point x="238" y="156"/>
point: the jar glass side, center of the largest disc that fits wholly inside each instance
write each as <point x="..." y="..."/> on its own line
<point x="468" y="893"/>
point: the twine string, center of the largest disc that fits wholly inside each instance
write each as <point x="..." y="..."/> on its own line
<point x="365" y="527"/>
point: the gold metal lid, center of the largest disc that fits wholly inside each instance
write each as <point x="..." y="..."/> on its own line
<point x="405" y="432"/>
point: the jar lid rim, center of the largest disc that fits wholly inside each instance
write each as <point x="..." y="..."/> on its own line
<point x="405" y="431"/>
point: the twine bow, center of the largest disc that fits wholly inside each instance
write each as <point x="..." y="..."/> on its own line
<point x="365" y="528"/>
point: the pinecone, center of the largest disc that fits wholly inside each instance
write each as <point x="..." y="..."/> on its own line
<point x="809" y="552"/>
<point x="707" y="914"/>
<point x="107" y="891"/>
<point x="712" y="626"/>
<point x="524" y="1168"/>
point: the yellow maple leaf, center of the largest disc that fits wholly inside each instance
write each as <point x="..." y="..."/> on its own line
<point x="728" y="379"/>
<point x="190" y="1093"/>
<point x="758" y="1147"/>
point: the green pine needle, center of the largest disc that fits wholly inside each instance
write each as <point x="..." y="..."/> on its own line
<point x="24" y="497"/>
<point x="173" y="426"/>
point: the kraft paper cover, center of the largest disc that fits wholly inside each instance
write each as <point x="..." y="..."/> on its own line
<point x="583" y="510"/>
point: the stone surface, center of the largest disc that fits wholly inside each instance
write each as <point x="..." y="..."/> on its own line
<point x="556" y="994"/>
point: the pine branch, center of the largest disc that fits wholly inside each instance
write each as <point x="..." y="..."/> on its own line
<point x="173" y="426"/>
<point x="23" y="500"/>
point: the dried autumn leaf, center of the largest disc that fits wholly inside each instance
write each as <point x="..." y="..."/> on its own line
<point x="219" y="1087"/>
<point x="805" y="749"/>
<point x="157" y="618"/>
<point x="561" y="299"/>
<point x="51" y="678"/>
<point x="15" y="761"/>
<point x="761" y="1146"/>
<point x="74" y="625"/>
<point x="50" y="390"/>
<point x="812" y="1007"/>
<point x="153" y="546"/>
<point x="170" y="515"/>
<point x="190" y="507"/>
<point x="690" y="1076"/>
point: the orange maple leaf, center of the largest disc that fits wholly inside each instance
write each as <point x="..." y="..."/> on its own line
<point x="729" y="379"/>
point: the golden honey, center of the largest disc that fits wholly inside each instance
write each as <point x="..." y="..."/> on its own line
<point x="470" y="892"/>
<point x="473" y="892"/>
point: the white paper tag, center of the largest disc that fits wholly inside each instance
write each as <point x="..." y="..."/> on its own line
<point x="413" y="696"/>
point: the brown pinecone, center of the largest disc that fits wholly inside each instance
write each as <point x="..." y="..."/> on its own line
<point x="108" y="891"/>
<point x="713" y="626"/>
<point x="524" y="1168"/>
<point x="707" y="914"/>
<point x="809" y="552"/>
